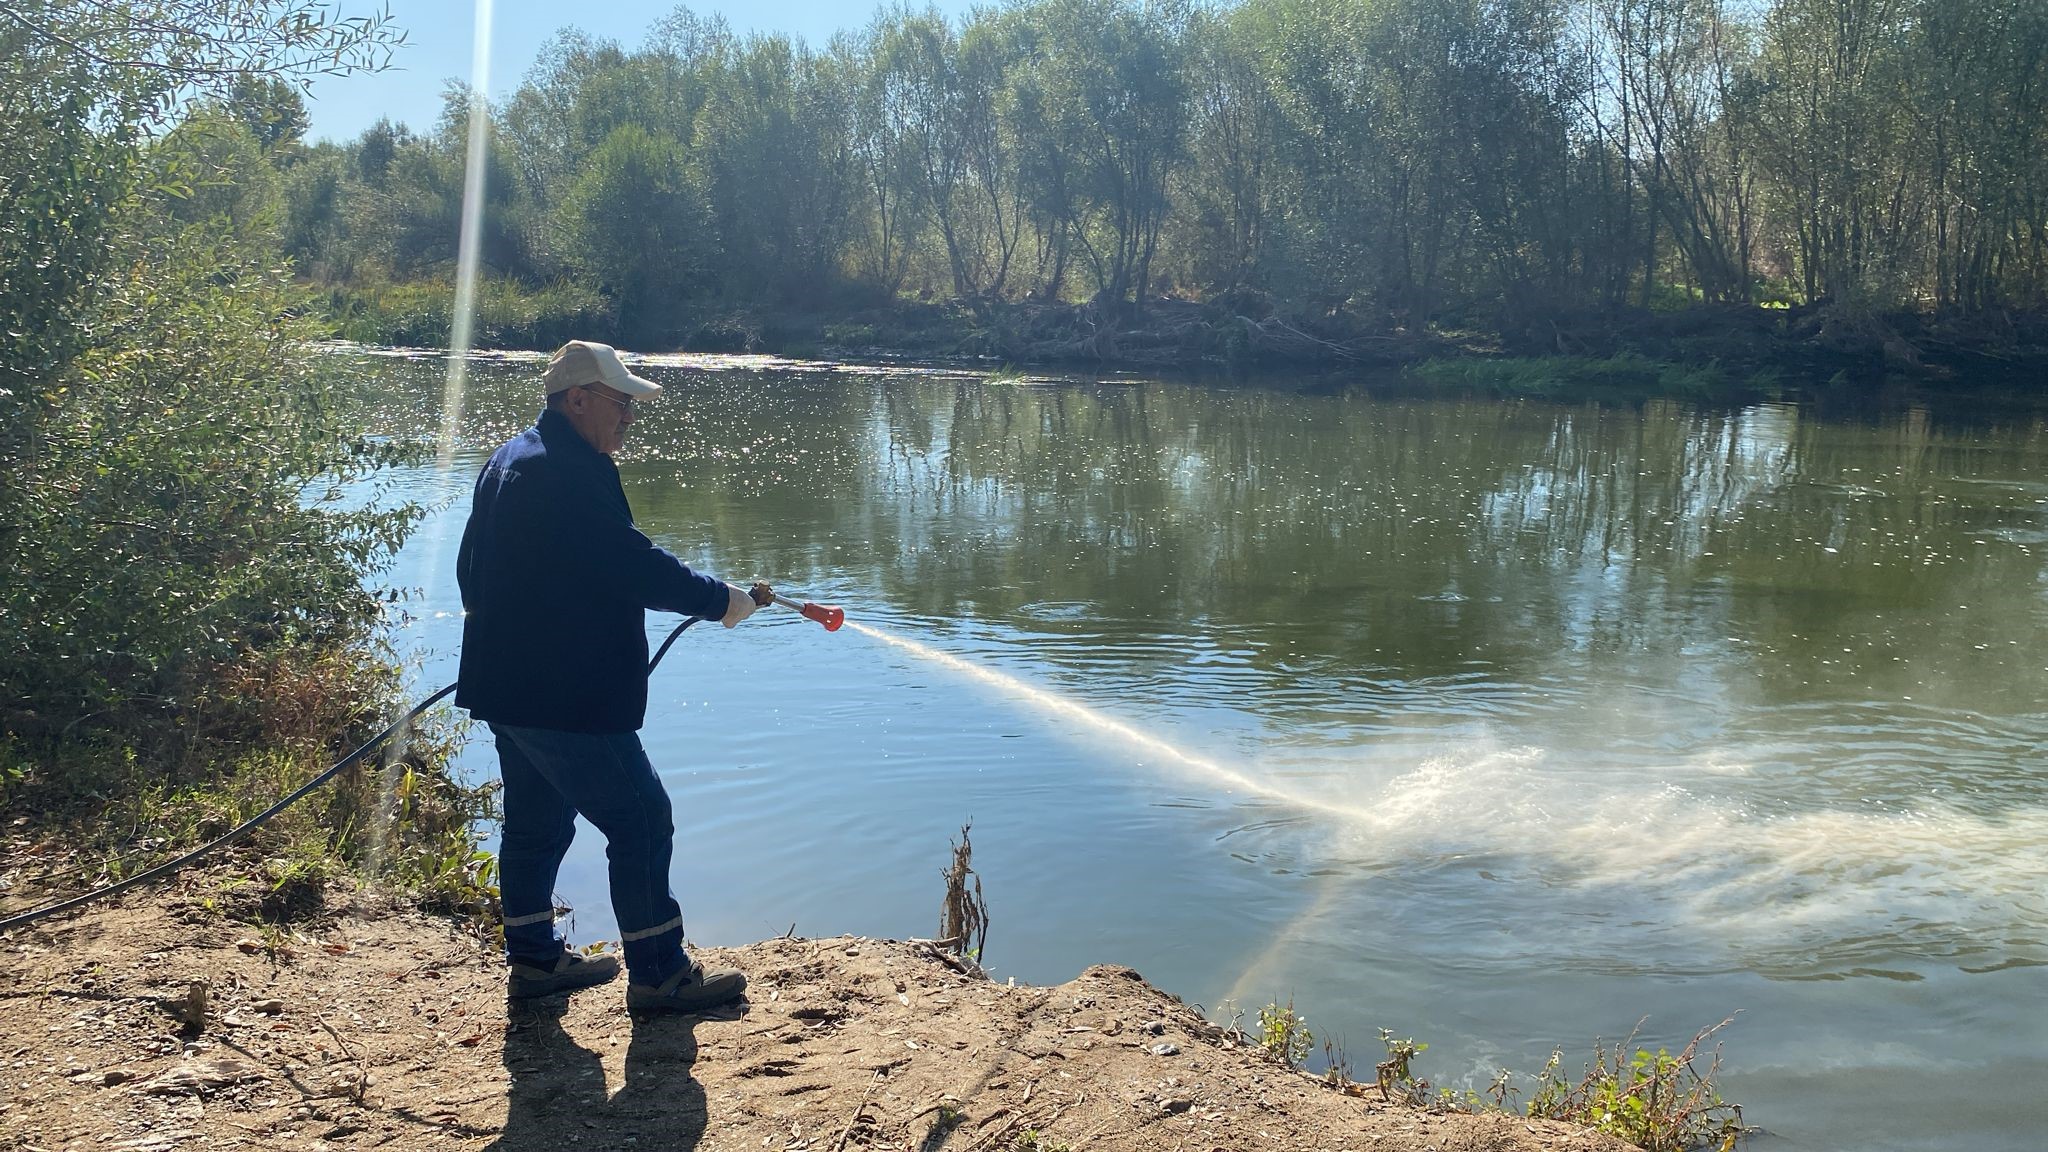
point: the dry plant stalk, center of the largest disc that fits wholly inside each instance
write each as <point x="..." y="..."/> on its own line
<point x="1659" y="1102"/>
<point x="963" y="918"/>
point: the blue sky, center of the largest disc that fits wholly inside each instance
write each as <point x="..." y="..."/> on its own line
<point x="438" y="35"/>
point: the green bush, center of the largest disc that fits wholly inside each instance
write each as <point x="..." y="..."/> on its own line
<point x="189" y="629"/>
<point x="176" y="511"/>
<point x="1284" y="1035"/>
<point x="418" y="314"/>
<point x="187" y="624"/>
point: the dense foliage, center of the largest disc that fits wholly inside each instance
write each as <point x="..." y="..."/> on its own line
<point x="184" y="585"/>
<point x="1401" y="163"/>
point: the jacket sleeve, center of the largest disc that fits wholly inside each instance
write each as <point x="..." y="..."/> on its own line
<point x="607" y="553"/>
<point x="465" y="557"/>
<point x="478" y="560"/>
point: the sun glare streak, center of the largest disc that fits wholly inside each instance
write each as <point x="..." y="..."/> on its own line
<point x="462" y="324"/>
<point x="460" y="328"/>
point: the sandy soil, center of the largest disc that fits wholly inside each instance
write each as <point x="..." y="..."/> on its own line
<point x="373" y="1026"/>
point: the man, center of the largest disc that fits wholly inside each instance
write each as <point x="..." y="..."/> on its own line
<point x="555" y="583"/>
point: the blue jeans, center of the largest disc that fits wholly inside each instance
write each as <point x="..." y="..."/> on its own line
<point x="552" y="776"/>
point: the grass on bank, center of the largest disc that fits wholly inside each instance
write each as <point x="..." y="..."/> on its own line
<point x="398" y="820"/>
<point x="419" y="313"/>
<point x="1619" y="377"/>
<point x="1659" y="1101"/>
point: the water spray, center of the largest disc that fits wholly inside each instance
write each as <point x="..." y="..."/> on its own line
<point x="1168" y="754"/>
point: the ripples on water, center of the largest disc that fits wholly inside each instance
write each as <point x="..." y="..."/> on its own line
<point x="1498" y="723"/>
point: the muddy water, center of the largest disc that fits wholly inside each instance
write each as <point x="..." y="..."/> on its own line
<point x="1499" y="724"/>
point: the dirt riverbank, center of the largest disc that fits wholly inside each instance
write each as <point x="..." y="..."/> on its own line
<point x="374" y="1026"/>
<point x="1735" y="351"/>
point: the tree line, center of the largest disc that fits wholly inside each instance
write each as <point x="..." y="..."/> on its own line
<point x="1400" y="162"/>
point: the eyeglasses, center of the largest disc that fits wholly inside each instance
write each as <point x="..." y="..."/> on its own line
<point x="625" y="405"/>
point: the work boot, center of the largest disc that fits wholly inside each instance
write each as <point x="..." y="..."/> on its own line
<point x="570" y="972"/>
<point x="690" y="990"/>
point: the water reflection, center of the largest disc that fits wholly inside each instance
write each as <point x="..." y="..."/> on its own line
<point x="1522" y="693"/>
<point x="1789" y="622"/>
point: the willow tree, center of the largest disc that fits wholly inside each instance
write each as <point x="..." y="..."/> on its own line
<point x="1674" y="79"/>
<point x="1111" y="91"/>
<point x="779" y="168"/>
<point x="1833" y="133"/>
<point x="1980" y="71"/>
<point x="1232" y="142"/>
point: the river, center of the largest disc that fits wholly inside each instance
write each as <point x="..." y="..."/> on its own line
<point x="1499" y="724"/>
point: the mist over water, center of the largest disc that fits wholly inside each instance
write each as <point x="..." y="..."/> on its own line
<point x="1499" y="724"/>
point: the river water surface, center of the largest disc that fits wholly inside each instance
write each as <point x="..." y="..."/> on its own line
<point x="1500" y="724"/>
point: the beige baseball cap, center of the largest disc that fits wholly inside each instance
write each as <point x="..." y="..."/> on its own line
<point x="581" y="362"/>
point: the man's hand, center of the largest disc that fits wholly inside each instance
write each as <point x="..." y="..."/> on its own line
<point x="738" y="606"/>
<point x="762" y="594"/>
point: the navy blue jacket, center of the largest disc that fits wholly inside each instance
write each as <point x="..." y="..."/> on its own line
<point x="555" y="583"/>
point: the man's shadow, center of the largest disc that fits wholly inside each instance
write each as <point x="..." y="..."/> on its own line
<point x="558" y="1099"/>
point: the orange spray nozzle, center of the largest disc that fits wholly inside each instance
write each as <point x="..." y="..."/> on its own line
<point x="830" y="615"/>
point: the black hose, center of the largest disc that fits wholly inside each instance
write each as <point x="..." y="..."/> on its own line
<point x="263" y="817"/>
